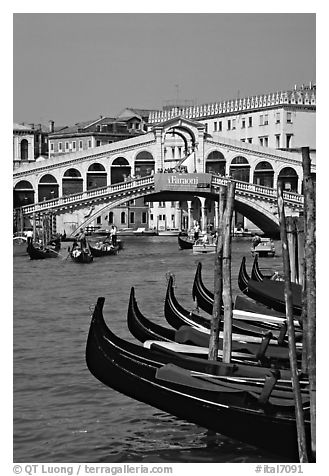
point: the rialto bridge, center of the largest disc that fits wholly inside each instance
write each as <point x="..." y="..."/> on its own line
<point x="176" y="160"/>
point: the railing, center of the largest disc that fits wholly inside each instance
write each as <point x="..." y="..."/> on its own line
<point x="89" y="194"/>
<point x="130" y="186"/>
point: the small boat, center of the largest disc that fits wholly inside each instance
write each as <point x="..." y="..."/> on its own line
<point x="81" y="255"/>
<point x="202" y="246"/>
<point x="103" y="249"/>
<point x="169" y="232"/>
<point x="143" y="232"/>
<point x="38" y="251"/>
<point x="264" y="248"/>
<point x="268" y="292"/>
<point x="185" y="242"/>
<point x="240" y="410"/>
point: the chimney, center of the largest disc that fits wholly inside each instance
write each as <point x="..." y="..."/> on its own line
<point x="51" y="126"/>
<point x="32" y="126"/>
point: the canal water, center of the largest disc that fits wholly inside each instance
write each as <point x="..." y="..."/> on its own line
<point x="61" y="412"/>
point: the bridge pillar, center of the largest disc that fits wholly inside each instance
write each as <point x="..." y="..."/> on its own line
<point x="300" y="181"/>
<point x="216" y="215"/>
<point x="189" y="216"/>
<point x="159" y="149"/>
<point x="203" y="213"/>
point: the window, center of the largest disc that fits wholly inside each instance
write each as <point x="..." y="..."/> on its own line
<point x="277" y="141"/>
<point x="132" y="218"/>
<point x="233" y="123"/>
<point x="243" y="124"/>
<point x="173" y="204"/>
<point x="277" y="118"/>
<point x="144" y="218"/>
<point x="243" y="140"/>
<point x="172" y="218"/>
<point x="229" y="124"/>
<point x="288" y="140"/>
<point x="249" y="121"/>
<point x="98" y="143"/>
<point x="263" y="141"/>
<point x="74" y="145"/>
<point x="123" y="218"/>
<point x="266" y="120"/>
<point x="51" y="146"/>
<point x="60" y="147"/>
<point x="261" y="120"/>
<point x="89" y="143"/>
<point x="249" y="140"/>
<point x="289" y="118"/>
<point x="67" y="146"/>
<point x="162" y="204"/>
<point x="80" y="145"/>
<point x="215" y="126"/>
<point x="99" y="220"/>
<point x="220" y="127"/>
<point x="151" y="216"/>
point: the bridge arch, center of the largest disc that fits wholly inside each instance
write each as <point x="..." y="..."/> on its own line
<point x="264" y="174"/>
<point x="47" y="188"/>
<point x="144" y="164"/>
<point x="96" y="176"/>
<point x="72" y="182"/>
<point x="216" y="163"/>
<point x="120" y="170"/>
<point x="240" y="169"/>
<point x="23" y="193"/>
<point x="288" y="177"/>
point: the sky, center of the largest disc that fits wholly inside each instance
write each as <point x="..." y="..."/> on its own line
<point x="72" y="67"/>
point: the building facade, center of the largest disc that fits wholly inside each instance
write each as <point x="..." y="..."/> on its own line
<point x="30" y="143"/>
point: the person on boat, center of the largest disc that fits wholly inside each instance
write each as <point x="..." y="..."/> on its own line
<point x="107" y="243"/>
<point x="255" y="241"/>
<point x="114" y="235"/>
<point x="29" y="236"/>
<point x="196" y="231"/>
<point x="82" y="238"/>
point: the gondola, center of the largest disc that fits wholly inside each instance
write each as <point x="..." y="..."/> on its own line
<point x="268" y="292"/>
<point x="177" y="317"/>
<point x="143" y="329"/>
<point x="104" y="250"/>
<point x="184" y="242"/>
<point x="248" y="324"/>
<point x="44" y="252"/>
<point x="205" y="298"/>
<point x="80" y="255"/>
<point x="238" y="410"/>
<point x="258" y="275"/>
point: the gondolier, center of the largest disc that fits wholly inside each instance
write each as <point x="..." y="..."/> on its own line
<point x="114" y="235"/>
<point x="82" y="238"/>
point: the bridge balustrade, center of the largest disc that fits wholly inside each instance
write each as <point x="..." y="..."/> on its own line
<point x="257" y="190"/>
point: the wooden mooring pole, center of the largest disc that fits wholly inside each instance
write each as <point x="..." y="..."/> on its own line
<point x="227" y="282"/>
<point x="301" y="437"/>
<point x="218" y="281"/>
<point x="310" y="285"/>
